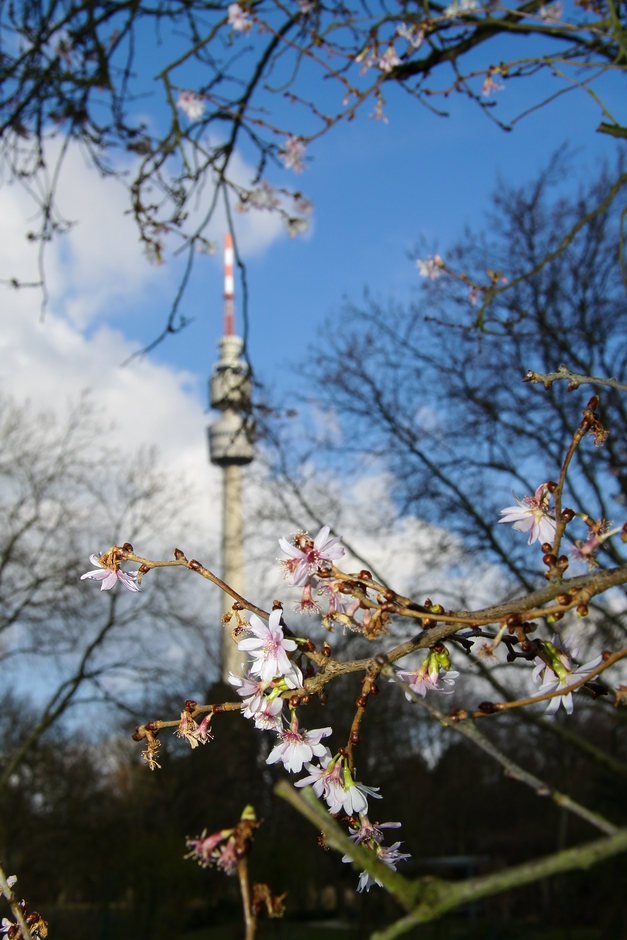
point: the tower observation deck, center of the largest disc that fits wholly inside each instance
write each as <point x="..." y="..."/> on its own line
<point x="231" y="447"/>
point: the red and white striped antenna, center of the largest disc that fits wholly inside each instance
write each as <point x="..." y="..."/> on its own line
<point x="229" y="287"/>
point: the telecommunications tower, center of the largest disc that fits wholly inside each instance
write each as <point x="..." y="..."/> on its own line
<point x="231" y="448"/>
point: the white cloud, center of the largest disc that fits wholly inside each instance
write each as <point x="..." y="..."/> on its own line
<point x="99" y="267"/>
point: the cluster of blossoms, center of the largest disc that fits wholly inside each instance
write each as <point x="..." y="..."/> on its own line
<point x="370" y="835"/>
<point x="224" y="849"/>
<point x="306" y="557"/>
<point x="292" y="154"/>
<point x="194" y="733"/>
<point x="36" y="925"/>
<point x="435" y="666"/>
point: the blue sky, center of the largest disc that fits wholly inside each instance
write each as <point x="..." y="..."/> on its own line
<point x="377" y="189"/>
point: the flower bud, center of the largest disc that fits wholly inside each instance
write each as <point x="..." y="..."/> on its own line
<point x="364" y="575"/>
<point x="143" y="569"/>
<point x="355" y="739"/>
<point x="374" y="689"/>
<point x="178" y="554"/>
<point x="605" y="655"/>
<point x="551" y="486"/>
<point x="326" y="649"/>
<point x="277" y="605"/>
<point x="127" y="547"/>
<point x="549" y="559"/>
<point x="361" y="701"/>
<point x="194" y="565"/>
<point x="563" y="599"/>
<point x="513" y="620"/>
<point x="582" y="610"/>
<point x="306" y="699"/>
<point x="568" y="514"/>
<point x="487" y="708"/>
<point x="294" y="701"/>
<point x="563" y="562"/>
<point x="546" y="547"/>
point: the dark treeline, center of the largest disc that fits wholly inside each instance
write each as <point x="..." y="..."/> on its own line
<point x="98" y="840"/>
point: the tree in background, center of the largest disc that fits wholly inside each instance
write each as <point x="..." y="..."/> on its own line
<point x="61" y="491"/>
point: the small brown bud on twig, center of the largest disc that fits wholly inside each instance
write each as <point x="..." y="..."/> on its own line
<point x="563" y="562"/>
<point x="178" y="554"/>
<point x="190" y="705"/>
<point x="323" y="698"/>
<point x="355" y="739"/>
<point x="374" y="689"/>
<point x="127" y="547"/>
<point x="546" y="547"/>
<point x="364" y="575"/>
<point x="294" y="701"/>
<point x="381" y="659"/>
<point x="605" y="655"/>
<point x="306" y="699"/>
<point x="391" y="595"/>
<point x="582" y="610"/>
<point x="277" y="605"/>
<point x="326" y="649"/>
<point x="487" y="708"/>
<point x="458" y="714"/>
<point x="361" y="701"/>
<point x="427" y="603"/>
<point x="593" y="403"/>
<point x="143" y="569"/>
<point x="513" y="620"/>
<point x="563" y="599"/>
<point x="194" y="564"/>
<point x="137" y="735"/>
<point x="568" y="514"/>
<point x="549" y="559"/>
<point x="551" y="486"/>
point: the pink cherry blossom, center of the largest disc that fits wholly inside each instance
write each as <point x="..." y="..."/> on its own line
<point x="490" y="85"/>
<point x="239" y="19"/>
<point x="109" y="577"/>
<point x="191" y="104"/>
<point x="431" y="268"/>
<point x="251" y="691"/>
<point x="532" y="515"/>
<point x="562" y="672"/>
<point x="425" y="678"/>
<point x="307" y="556"/>
<point x="291" y="154"/>
<point x="307" y="604"/>
<point x="268" y="647"/>
<point x="389" y="60"/>
<point x="205" y="849"/>
<point x="295" y="747"/>
<point x="268" y="715"/>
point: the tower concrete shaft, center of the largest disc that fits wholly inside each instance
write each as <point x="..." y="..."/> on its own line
<point x="231" y="447"/>
<point x="232" y="562"/>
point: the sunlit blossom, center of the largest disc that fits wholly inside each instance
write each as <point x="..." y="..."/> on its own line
<point x="268" y="647"/>
<point x="191" y="104"/>
<point x="561" y="673"/>
<point x="239" y="19"/>
<point x="532" y="515"/>
<point x="307" y="556"/>
<point x="109" y="576"/>
<point x="292" y="153"/>
<point x="430" y="268"/>
<point x="296" y="747"/>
